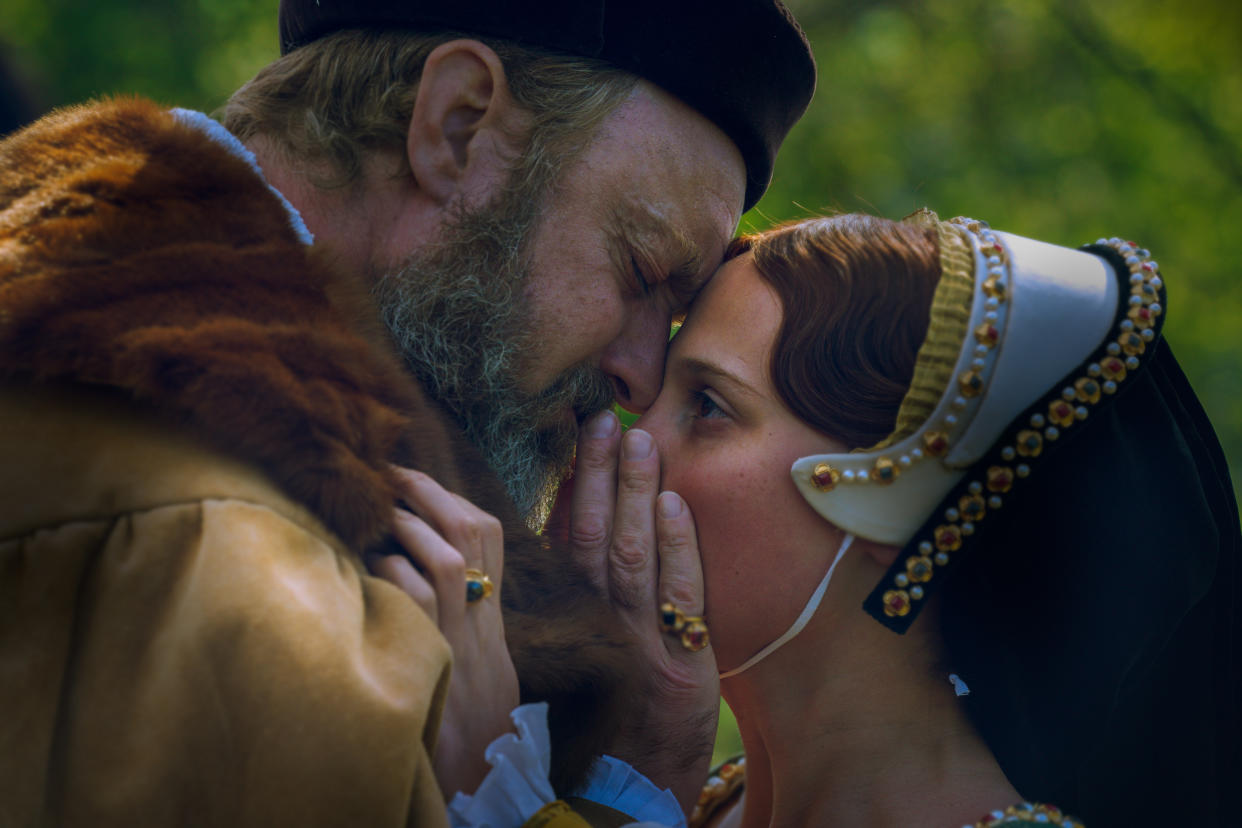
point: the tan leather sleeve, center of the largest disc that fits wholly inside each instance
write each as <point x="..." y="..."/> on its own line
<point x="215" y="663"/>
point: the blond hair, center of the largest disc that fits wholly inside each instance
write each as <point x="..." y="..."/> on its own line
<point x="332" y="102"/>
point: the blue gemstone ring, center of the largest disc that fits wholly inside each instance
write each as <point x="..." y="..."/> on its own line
<point x="478" y="585"/>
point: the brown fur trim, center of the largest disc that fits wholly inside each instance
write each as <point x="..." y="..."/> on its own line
<point x="138" y="255"/>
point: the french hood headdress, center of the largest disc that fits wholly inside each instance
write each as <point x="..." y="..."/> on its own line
<point x="1026" y="341"/>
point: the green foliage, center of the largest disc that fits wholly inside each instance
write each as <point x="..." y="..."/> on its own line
<point x="189" y="53"/>
<point x="728" y="740"/>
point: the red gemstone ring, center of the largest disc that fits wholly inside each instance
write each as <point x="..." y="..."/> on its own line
<point x="690" y="630"/>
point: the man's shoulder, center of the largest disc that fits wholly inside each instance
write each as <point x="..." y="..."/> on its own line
<point x="75" y="455"/>
<point x="70" y="134"/>
<point x="145" y="257"/>
<point x="166" y="607"/>
<point x="118" y="168"/>
<point x="71" y="139"/>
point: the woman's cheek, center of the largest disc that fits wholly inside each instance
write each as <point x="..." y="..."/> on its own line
<point x="728" y="508"/>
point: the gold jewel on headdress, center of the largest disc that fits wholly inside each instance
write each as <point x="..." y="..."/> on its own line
<point x="825" y="477"/>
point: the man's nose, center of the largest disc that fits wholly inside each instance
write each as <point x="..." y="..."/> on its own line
<point x="635" y="359"/>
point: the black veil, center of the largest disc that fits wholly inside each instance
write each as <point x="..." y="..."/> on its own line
<point x="1099" y="630"/>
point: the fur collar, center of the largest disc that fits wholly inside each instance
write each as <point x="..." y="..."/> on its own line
<point x="139" y="255"/>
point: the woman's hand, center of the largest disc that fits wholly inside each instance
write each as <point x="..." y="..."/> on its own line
<point x="444" y="535"/>
<point x="641" y="546"/>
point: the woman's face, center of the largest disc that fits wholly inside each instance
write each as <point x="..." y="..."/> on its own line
<point x="726" y="444"/>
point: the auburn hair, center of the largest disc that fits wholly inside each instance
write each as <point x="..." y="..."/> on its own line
<point x="856" y="291"/>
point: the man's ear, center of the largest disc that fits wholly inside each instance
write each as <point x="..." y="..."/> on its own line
<point x="461" y="137"/>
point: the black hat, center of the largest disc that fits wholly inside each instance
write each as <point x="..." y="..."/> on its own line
<point x="745" y="65"/>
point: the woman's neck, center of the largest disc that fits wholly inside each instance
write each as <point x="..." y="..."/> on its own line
<point x="853" y="735"/>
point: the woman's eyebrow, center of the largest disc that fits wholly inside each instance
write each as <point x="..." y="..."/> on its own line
<point x="702" y="368"/>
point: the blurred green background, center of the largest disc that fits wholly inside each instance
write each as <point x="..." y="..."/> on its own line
<point x="1057" y="119"/>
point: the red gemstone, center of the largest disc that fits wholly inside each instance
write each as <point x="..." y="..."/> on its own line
<point x="696" y="638"/>
<point x="1062" y="410"/>
<point x="999" y="480"/>
<point x="897" y="603"/>
<point x="938" y="445"/>
<point x="1115" y="365"/>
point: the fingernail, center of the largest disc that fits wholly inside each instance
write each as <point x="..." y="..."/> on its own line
<point x="603" y="425"/>
<point x="637" y="444"/>
<point x="669" y="504"/>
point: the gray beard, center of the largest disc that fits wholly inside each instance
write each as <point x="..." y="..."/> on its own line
<point x="458" y="315"/>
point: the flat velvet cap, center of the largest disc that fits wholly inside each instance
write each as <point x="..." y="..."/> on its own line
<point x="745" y="65"/>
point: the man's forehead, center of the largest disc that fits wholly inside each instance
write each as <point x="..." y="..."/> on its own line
<point x="681" y="178"/>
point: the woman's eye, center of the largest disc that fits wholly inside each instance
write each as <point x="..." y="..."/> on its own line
<point x="705" y="407"/>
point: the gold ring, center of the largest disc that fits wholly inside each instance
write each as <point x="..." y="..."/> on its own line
<point x="690" y="630"/>
<point x="478" y="585"/>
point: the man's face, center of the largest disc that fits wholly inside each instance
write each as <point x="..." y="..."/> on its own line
<point x="636" y="227"/>
<point x="527" y="315"/>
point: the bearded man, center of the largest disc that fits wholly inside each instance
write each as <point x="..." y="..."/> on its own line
<point x="200" y="409"/>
